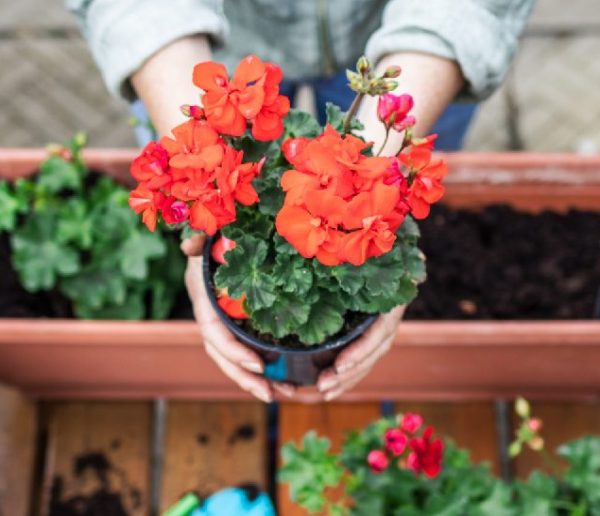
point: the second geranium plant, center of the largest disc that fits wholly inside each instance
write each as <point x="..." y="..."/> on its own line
<point x="313" y="230"/>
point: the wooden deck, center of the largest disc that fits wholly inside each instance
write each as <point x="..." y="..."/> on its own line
<point x="143" y="456"/>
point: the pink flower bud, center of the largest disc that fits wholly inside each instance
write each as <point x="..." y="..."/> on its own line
<point x="378" y="461"/>
<point x="396" y="441"/>
<point x="534" y="424"/>
<point x="393" y="111"/>
<point x="411" y="422"/>
<point x="174" y="211"/>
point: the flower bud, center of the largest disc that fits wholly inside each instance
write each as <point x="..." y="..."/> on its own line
<point x="195" y="112"/>
<point x="537" y="443"/>
<point x="391" y="85"/>
<point x="362" y="65"/>
<point x="522" y="407"/>
<point x="392" y="72"/>
<point x="534" y="424"/>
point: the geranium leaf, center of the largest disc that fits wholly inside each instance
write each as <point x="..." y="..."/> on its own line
<point x="137" y="251"/>
<point x="96" y="287"/>
<point x="75" y="225"/>
<point x="323" y="321"/>
<point x="335" y="118"/>
<point x="283" y="317"/>
<point x="12" y="203"/>
<point x="298" y="124"/>
<point x="243" y="273"/>
<point x="57" y="174"/>
<point x="293" y="274"/>
<point x="37" y="255"/>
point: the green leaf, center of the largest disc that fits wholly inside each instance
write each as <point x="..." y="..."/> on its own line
<point x="299" y="123"/>
<point x="244" y="273"/>
<point x="38" y="257"/>
<point x="350" y="278"/>
<point x="11" y="205"/>
<point x="57" y="174"/>
<point x="335" y="118"/>
<point x="283" y="318"/>
<point x="75" y="225"/>
<point x="95" y="287"/>
<point x="132" y="308"/>
<point x="137" y="251"/>
<point x="293" y="274"/>
<point x="324" y="321"/>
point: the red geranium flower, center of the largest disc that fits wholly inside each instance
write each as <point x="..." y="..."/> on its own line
<point x="312" y="227"/>
<point x="411" y="422"/>
<point x="396" y="441"/>
<point x="174" y="211"/>
<point x="378" y="461"/>
<point x="234" y="308"/>
<point x="145" y="201"/>
<point x="425" y="180"/>
<point x="151" y="166"/>
<point x="426" y="454"/>
<point x="220" y="247"/>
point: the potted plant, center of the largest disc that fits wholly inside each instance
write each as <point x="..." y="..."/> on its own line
<point x="398" y="466"/>
<point x="69" y="236"/>
<point x="312" y="229"/>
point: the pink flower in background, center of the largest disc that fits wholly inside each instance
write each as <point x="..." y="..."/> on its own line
<point x="378" y="461"/>
<point x="396" y="441"/>
<point x="426" y="454"/>
<point x="411" y="422"/>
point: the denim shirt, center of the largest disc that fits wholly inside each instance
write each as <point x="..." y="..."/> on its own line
<point x="308" y="38"/>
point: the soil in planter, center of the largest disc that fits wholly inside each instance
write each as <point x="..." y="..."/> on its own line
<point x="505" y="264"/>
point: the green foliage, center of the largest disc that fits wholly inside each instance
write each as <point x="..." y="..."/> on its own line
<point x="299" y="123"/>
<point x="461" y="489"/>
<point x="75" y="233"/>
<point x="335" y="118"/>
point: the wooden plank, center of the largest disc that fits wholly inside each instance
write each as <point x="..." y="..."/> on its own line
<point x="209" y="446"/>
<point x="470" y="425"/>
<point x="18" y="429"/>
<point x="98" y="458"/>
<point x="563" y="421"/>
<point x="330" y="420"/>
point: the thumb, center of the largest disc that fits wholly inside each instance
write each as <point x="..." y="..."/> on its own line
<point x="193" y="246"/>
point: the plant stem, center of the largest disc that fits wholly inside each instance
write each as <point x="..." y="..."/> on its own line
<point x="352" y="111"/>
<point x="387" y="135"/>
<point x="552" y="464"/>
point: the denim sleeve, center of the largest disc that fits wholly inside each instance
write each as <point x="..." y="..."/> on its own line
<point x="122" y="34"/>
<point x="480" y="35"/>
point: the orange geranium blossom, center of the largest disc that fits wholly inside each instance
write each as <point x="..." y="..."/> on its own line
<point x="252" y="95"/>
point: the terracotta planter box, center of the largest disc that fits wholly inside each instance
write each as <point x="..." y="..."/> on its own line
<point x="431" y="360"/>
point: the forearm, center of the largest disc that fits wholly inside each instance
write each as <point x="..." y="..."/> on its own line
<point x="164" y="81"/>
<point x="432" y="81"/>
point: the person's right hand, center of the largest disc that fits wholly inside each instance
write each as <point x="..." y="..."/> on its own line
<point x="237" y="361"/>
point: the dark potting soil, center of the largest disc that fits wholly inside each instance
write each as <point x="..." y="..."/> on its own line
<point x="505" y="264"/>
<point x="494" y="264"/>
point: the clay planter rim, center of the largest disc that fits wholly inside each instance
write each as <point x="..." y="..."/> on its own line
<point x="430" y="359"/>
<point x="331" y="344"/>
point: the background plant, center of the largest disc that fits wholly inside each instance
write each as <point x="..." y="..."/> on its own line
<point x="362" y="487"/>
<point x="72" y="230"/>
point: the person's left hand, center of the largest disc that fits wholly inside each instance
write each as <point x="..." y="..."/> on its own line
<point x="355" y="362"/>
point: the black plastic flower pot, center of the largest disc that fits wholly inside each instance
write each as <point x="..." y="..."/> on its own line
<point x="297" y="366"/>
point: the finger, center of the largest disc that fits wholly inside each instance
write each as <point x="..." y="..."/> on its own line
<point x="194" y="245"/>
<point x="287" y="389"/>
<point x="335" y="393"/>
<point x="212" y="328"/>
<point x="255" y="385"/>
<point x="361" y="349"/>
<point x="330" y="379"/>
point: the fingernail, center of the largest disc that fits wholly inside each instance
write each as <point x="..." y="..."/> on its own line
<point x="327" y="383"/>
<point x="345" y="366"/>
<point x="261" y="395"/>
<point x="285" y="389"/>
<point x="255" y="367"/>
<point x="330" y="395"/>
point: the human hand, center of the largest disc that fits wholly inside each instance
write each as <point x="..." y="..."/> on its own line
<point x="237" y="361"/>
<point x="355" y="362"/>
